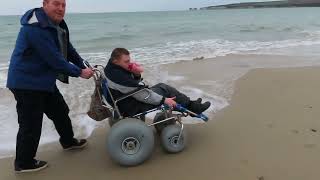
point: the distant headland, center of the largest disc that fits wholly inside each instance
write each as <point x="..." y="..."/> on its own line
<point x="269" y="4"/>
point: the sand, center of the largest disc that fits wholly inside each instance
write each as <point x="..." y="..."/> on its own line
<point x="270" y="131"/>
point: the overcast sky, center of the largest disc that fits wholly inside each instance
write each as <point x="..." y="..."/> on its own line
<point x="84" y="6"/>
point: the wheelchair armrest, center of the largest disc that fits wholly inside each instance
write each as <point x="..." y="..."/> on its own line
<point x="129" y="94"/>
<point x="142" y="84"/>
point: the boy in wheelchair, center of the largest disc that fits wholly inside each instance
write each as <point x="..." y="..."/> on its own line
<point x="123" y="77"/>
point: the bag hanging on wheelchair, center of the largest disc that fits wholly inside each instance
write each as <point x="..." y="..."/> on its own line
<point x="97" y="111"/>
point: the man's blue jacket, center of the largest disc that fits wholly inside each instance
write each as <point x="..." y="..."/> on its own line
<point x="37" y="60"/>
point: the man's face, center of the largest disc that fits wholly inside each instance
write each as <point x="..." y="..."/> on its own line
<point x="55" y="9"/>
<point x="123" y="61"/>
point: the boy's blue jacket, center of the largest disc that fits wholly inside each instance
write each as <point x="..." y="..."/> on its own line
<point x="37" y="60"/>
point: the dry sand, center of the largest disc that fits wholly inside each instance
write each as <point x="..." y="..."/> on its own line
<point x="271" y="131"/>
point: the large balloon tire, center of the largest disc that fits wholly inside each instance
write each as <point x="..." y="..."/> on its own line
<point x="130" y="142"/>
<point x="170" y="139"/>
<point x="159" y="117"/>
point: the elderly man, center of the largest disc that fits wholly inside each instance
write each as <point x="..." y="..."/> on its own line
<point x="41" y="55"/>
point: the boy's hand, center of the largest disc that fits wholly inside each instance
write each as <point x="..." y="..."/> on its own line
<point x="135" y="68"/>
<point x="170" y="102"/>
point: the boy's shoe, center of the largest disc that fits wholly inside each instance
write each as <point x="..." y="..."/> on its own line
<point x="76" y="144"/>
<point x="199" y="100"/>
<point x="197" y="107"/>
<point x="205" y="106"/>
<point x="36" y="166"/>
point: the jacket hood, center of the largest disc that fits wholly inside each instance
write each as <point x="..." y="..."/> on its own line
<point x="38" y="17"/>
<point x="35" y="16"/>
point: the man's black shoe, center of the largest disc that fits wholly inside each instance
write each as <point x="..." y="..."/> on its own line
<point x="36" y="166"/>
<point x="76" y="144"/>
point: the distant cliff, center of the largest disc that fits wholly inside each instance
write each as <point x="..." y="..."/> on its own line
<point x="269" y="4"/>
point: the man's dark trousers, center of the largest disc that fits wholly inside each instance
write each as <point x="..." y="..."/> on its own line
<point x="31" y="105"/>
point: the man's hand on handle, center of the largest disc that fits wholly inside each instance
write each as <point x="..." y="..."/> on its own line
<point x="86" y="73"/>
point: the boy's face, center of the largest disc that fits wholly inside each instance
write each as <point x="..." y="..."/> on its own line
<point x="123" y="61"/>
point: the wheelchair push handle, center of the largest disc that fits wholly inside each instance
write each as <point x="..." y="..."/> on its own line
<point x="95" y="68"/>
<point x="87" y="64"/>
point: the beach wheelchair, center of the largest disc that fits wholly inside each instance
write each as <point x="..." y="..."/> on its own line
<point x="130" y="140"/>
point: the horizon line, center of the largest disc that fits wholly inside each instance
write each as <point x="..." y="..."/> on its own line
<point x="101" y="12"/>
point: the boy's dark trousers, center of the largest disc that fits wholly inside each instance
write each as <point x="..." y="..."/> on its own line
<point x="31" y="105"/>
<point x="161" y="89"/>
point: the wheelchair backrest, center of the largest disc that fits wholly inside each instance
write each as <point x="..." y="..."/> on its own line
<point x="106" y="92"/>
